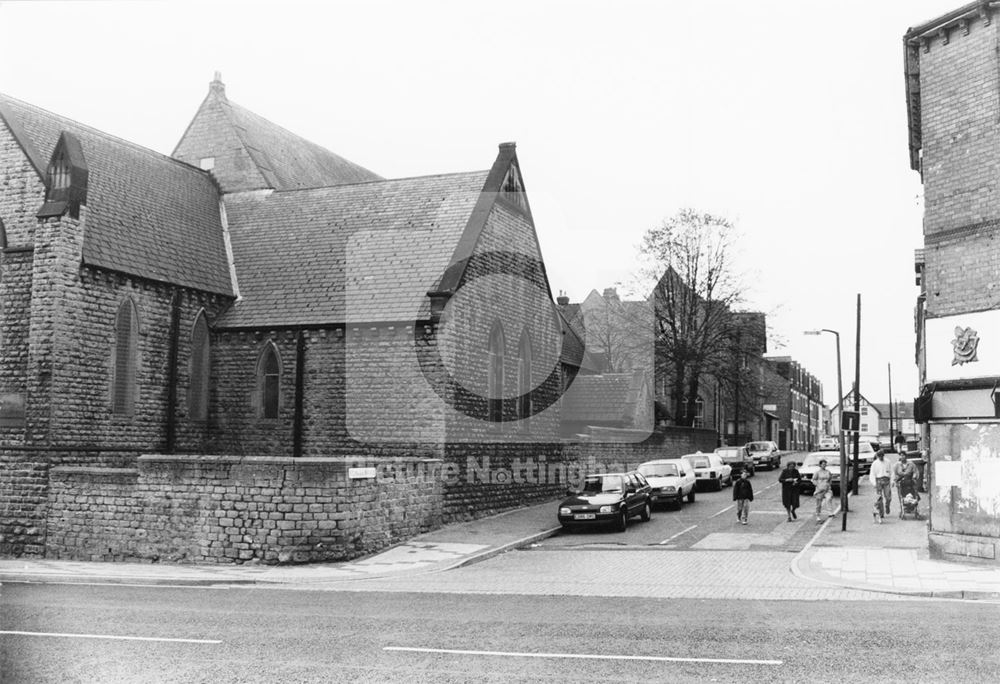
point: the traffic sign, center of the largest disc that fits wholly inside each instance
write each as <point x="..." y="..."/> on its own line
<point x="850" y="421"/>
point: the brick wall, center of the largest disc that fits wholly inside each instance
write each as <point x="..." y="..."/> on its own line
<point x="960" y="124"/>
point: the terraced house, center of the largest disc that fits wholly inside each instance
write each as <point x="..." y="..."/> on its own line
<point x="256" y="350"/>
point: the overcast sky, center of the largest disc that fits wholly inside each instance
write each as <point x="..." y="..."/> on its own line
<point x="787" y="117"/>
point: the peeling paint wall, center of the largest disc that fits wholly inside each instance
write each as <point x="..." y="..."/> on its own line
<point x="965" y="478"/>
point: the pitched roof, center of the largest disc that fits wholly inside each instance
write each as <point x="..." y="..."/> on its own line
<point x="147" y="215"/>
<point x="252" y="153"/>
<point x="605" y="399"/>
<point x="367" y="252"/>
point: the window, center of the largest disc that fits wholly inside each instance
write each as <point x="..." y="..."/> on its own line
<point x="123" y="382"/>
<point x="494" y="380"/>
<point x="269" y="381"/>
<point x="199" y="368"/>
<point x="864" y="410"/>
<point x="524" y="382"/>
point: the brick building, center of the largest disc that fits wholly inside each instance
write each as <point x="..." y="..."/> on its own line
<point x="953" y="105"/>
<point x="795" y="398"/>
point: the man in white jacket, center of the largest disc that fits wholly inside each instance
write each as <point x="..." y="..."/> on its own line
<point x="881" y="478"/>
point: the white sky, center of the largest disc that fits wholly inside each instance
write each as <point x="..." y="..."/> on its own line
<point x="786" y="116"/>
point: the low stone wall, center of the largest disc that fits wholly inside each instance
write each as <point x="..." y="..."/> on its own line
<point x="225" y="509"/>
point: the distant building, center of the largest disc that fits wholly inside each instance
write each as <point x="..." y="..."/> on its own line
<point x="794" y="401"/>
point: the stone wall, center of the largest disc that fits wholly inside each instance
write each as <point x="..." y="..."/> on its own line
<point x="223" y="509"/>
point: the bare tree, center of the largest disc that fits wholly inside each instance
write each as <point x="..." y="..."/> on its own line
<point x="697" y="289"/>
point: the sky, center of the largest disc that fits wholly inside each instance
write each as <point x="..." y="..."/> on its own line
<point x="787" y="117"/>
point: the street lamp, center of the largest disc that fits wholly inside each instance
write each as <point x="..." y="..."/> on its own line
<point x="843" y="454"/>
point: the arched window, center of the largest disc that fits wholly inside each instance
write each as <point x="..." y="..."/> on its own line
<point x="524" y="382"/>
<point x="268" y="381"/>
<point x="494" y="381"/>
<point x="123" y="382"/>
<point x="199" y="368"/>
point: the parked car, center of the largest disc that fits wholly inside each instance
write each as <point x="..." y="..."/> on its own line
<point x="866" y="456"/>
<point x="764" y="454"/>
<point x="809" y="466"/>
<point x="829" y="444"/>
<point x="737" y="458"/>
<point x="670" y="479"/>
<point x="608" y="498"/>
<point x="709" y="470"/>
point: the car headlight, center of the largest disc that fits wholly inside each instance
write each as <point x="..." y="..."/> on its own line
<point x="670" y="490"/>
<point x="564" y="511"/>
<point x="607" y="509"/>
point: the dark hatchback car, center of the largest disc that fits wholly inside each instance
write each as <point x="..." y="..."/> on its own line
<point x="737" y="458"/>
<point x="608" y="499"/>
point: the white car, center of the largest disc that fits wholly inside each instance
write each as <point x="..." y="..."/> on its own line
<point x="710" y="470"/>
<point x="671" y="479"/>
<point x="829" y="444"/>
<point x="809" y="466"/>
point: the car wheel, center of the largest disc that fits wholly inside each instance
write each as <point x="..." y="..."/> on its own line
<point x="718" y="485"/>
<point x="691" y="496"/>
<point x="647" y="512"/>
<point x="622" y="521"/>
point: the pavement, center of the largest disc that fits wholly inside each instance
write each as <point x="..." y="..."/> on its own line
<point x="865" y="561"/>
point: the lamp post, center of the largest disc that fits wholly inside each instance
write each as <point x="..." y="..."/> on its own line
<point x="840" y="432"/>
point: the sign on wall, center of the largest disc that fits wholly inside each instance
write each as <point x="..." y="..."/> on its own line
<point x="963" y="346"/>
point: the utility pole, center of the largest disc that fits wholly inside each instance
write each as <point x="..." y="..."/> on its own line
<point x="892" y="436"/>
<point x="857" y="398"/>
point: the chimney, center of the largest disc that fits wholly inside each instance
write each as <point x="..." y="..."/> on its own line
<point x="611" y="294"/>
<point x="562" y="300"/>
<point x="217" y="86"/>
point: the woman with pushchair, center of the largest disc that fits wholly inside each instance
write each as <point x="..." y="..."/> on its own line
<point x="905" y="473"/>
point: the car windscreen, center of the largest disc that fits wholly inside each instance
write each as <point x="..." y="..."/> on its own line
<point x="813" y="460"/>
<point x="659" y="470"/>
<point x="731" y="454"/>
<point x="597" y="485"/>
<point x="758" y="446"/>
<point x="700" y="463"/>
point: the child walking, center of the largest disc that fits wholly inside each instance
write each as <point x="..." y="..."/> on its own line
<point x="743" y="495"/>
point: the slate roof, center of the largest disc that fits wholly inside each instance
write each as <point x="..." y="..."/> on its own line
<point x="288" y="161"/>
<point x="364" y="253"/>
<point x="147" y="215"/>
<point x="604" y="399"/>
<point x="282" y="160"/>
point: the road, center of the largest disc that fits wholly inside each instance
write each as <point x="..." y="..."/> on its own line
<point x="254" y="635"/>
<point x="709" y="522"/>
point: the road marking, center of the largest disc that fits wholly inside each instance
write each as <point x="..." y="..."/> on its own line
<point x="586" y="656"/>
<point x="110" y="636"/>
<point x="668" y="539"/>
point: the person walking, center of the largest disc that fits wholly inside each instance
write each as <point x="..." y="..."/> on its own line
<point x="881" y="479"/>
<point x="743" y="495"/>
<point x="824" y="492"/>
<point x="789" y="480"/>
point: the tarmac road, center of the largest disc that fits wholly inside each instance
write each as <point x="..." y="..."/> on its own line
<point x="82" y="633"/>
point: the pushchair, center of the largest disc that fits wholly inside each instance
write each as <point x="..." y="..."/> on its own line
<point x="909" y="500"/>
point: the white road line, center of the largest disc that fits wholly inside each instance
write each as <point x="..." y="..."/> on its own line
<point x="668" y="539"/>
<point x="585" y="656"/>
<point x="110" y="636"/>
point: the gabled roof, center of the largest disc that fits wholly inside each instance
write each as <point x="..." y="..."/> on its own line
<point x="252" y="153"/>
<point x="147" y="215"/>
<point x="608" y="399"/>
<point x="368" y="252"/>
